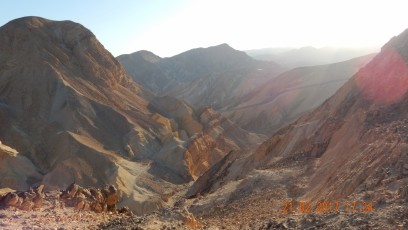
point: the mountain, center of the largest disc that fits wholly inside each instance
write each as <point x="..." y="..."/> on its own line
<point x="250" y="93"/>
<point x="352" y="148"/>
<point x="215" y="76"/>
<point x="309" y="56"/>
<point x="143" y="65"/>
<point x="73" y="115"/>
<point x="284" y="98"/>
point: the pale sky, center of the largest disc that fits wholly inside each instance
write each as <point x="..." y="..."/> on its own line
<point x="169" y="27"/>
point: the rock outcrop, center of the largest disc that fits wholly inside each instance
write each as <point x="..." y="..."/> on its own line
<point x="87" y="199"/>
<point x="92" y="199"/>
<point x="29" y="200"/>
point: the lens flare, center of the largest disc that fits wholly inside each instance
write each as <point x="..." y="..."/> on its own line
<point x="385" y="79"/>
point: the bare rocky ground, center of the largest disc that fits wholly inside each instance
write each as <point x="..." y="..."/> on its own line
<point x="52" y="215"/>
<point x="74" y="208"/>
<point x="259" y="209"/>
<point x="263" y="211"/>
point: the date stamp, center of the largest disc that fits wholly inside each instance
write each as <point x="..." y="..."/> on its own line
<point x="327" y="207"/>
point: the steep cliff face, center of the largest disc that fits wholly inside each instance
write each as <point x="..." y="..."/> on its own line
<point x="352" y="147"/>
<point x="68" y="106"/>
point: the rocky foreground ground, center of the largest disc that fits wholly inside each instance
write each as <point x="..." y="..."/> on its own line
<point x="81" y="208"/>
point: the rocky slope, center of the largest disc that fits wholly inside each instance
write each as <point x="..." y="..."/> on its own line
<point x="215" y="76"/>
<point x="68" y="106"/>
<point x="284" y="98"/>
<point x="350" y="149"/>
<point x="245" y="90"/>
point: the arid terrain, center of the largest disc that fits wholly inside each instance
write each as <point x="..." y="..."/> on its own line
<point x="207" y="139"/>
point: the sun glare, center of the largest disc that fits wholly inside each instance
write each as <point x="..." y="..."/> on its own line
<point x="381" y="84"/>
<point x="260" y="24"/>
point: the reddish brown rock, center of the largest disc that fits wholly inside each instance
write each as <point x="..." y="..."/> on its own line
<point x="97" y="195"/>
<point x="72" y="190"/>
<point x="87" y="206"/>
<point x="97" y="207"/>
<point x="11" y="199"/>
<point x="112" y="198"/>
<point x="27" y="205"/>
<point x="80" y="204"/>
<point x="37" y="201"/>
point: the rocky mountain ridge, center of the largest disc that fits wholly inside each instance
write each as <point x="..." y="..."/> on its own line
<point x="70" y="108"/>
<point x="215" y="76"/>
<point x="259" y="96"/>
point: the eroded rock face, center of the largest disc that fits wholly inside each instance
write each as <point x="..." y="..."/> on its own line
<point x="69" y="107"/>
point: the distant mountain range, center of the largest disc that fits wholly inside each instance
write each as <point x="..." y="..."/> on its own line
<point x="309" y="56"/>
<point x="257" y="95"/>
<point x="216" y="76"/>
<point x="282" y="99"/>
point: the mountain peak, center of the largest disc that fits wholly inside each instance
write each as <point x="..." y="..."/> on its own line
<point x="66" y="42"/>
<point x="223" y="45"/>
<point x="218" y="53"/>
<point x="63" y="31"/>
<point x="34" y="22"/>
<point x="148" y="56"/>
<point x="399" y="45"/>
<point x="29" y="21"/>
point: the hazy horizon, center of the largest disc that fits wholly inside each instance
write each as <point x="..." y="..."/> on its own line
<point x="169" y="28"/>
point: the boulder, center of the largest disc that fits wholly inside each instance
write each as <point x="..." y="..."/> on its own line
<point x="80" y="204"/>
<point x="97" y="207"/>
<point x="37" y="201"/>
<point x="72" y="190"/>
<point x="97" y="195"/>
<point x="27" y="205"/>
<point x="86" y="192"/>
<point x="11" y="199"/>
<point x="112" y="198"/>
<point x="125" y="210"/>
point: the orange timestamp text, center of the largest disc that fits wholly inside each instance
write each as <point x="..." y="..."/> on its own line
<point x="326" y="206"/>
